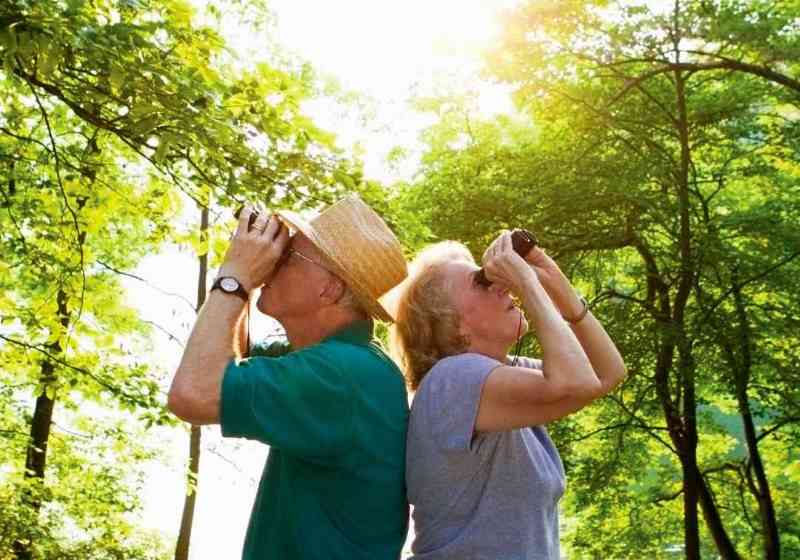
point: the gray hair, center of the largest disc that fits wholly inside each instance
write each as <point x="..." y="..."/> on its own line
<point x="350" y="301"/>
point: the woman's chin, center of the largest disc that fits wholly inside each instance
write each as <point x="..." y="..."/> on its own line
<point x="520" y="324"/>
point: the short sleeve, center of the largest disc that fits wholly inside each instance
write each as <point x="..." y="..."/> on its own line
<point x="297" y="403"/>
<point x="450" y="395"/>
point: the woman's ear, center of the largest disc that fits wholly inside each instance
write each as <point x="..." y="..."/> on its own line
<point x="333" y="290"/>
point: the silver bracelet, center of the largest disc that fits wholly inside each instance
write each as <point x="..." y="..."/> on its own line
<point x="581" y="315"/>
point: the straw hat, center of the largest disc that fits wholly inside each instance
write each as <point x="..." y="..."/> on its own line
<point x="362" y="249"/>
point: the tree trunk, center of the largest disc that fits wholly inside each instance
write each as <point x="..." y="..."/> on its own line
<point x="688" y="449"/>
<point x="713" y="520"/>
<point x="688" y="454"/>
<point x="695" y="489"/>
<point x="36" y="453"/>
<point x="760" y="489"/>
<point x="187" y="518"/>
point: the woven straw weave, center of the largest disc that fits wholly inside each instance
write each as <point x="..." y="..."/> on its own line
<point x="361" y="248"/>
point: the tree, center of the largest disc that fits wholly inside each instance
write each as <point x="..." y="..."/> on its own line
<point x="110" y="113"/>
<point x="637" y="155"/>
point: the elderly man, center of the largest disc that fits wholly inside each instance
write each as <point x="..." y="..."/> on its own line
<point x="330" y="404"/>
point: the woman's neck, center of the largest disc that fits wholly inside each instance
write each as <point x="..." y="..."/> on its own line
<point x="492" y="348"/>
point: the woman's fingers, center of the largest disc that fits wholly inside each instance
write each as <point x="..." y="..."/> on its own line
<point x="495" y="247"/>
<point x="505" y="242"/>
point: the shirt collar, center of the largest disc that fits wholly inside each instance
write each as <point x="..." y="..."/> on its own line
<point x="357" y="332"/>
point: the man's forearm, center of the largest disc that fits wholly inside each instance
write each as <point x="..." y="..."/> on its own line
<point x="195" y="392"/>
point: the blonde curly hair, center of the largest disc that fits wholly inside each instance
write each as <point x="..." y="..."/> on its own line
<point x="426" y="327"/>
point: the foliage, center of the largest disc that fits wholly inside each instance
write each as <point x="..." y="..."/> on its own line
<point x="656" y="160"/>
<point x="112" y="114"/>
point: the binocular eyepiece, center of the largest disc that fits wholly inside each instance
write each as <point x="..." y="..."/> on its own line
<point x="522" y="241"/>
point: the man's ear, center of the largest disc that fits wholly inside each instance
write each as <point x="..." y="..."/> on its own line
<point x="333" y="291"/>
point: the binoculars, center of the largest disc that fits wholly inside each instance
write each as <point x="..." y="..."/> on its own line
<point x="522" y="241"/>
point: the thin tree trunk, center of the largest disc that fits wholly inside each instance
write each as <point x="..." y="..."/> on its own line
<point x="714" y="523"/>
<point x="760" y="490"/>
<point x="187" y="518"/>
<point x="36" y="453"/>
<point x="688" y="451"/>
<point x="695" y="490"/>
<point x="688" y="456"/>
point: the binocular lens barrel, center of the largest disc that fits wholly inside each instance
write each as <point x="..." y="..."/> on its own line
<point x="523" y="241"/>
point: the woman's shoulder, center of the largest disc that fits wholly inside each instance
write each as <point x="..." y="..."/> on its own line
<point x="461" y="368"/>
<point x="465" y="359"/>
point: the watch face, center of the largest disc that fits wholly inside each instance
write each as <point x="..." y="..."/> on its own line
<point x="229" y="284"/>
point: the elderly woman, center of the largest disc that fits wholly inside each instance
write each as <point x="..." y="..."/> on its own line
<point x="483" y="476"/>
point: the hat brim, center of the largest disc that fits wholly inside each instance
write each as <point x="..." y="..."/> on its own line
<point x="372" y="305"/>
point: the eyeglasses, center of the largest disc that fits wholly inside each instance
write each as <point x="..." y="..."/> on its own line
<point x="291" y="251"/>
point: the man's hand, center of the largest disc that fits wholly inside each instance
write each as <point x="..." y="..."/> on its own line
<point x="254" y="251"/>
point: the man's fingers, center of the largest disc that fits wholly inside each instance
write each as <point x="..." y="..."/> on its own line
<point x="281" y="240"/>
<point x="244" y="221"/>
<point x="260" y="225"/>
<point x="271" y="226"/>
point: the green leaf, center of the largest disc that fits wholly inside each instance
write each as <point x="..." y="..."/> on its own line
<point x="8" y="39"/>
<point x="116" y="78"/>
<point x="163" y="148"/>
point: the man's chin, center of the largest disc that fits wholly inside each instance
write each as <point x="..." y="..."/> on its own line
<point x="262" y="304"/>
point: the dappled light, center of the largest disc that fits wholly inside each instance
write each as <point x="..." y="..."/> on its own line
<point x="650" y="147"/>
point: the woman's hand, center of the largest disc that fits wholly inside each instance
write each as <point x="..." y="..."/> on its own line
<point x="504" y="267"/>
<point x="555" y="283"/>
<point x="254" y="251"/>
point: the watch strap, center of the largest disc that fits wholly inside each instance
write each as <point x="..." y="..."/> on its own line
<point x="239" y="291"/>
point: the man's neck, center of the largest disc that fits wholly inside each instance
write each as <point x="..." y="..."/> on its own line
<point x="309" y="330"/>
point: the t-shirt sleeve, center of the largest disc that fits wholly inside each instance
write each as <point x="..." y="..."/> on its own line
<point x="451" y="394"/>
<point x="297" y="403"/>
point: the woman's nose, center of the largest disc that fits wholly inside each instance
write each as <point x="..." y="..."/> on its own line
<point x="498" y="289"/>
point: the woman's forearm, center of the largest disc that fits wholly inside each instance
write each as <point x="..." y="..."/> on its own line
<point x="601" y="351"/>
<point x="598" y="346"/>
<point x="564" y="358"/>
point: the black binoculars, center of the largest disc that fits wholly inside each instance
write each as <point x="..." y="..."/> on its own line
<point x="522" y="241"/>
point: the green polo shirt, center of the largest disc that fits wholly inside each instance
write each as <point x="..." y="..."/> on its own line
<point x="334" y="415"/>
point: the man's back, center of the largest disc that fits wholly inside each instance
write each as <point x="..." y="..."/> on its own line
<point x="335" y="416"/>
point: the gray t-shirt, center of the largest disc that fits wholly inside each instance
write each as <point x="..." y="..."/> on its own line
<point x="489" y="497"/>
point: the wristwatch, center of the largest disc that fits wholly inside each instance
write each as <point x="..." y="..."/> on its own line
<point x="230" y="285"/>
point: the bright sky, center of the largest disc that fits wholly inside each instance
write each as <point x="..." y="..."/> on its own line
<point x="386" y="50"/>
